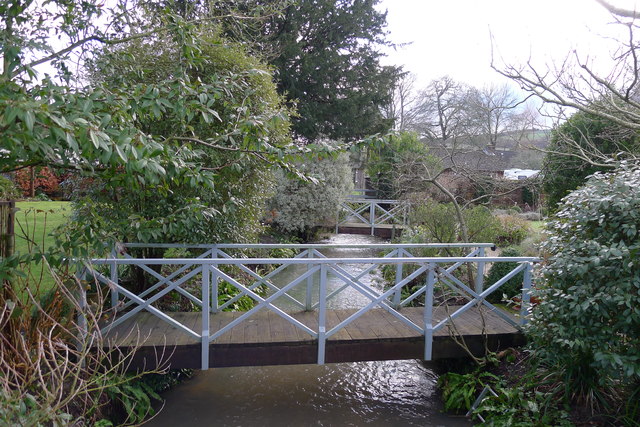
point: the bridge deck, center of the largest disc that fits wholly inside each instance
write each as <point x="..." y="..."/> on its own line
<point x="268" y="339"/>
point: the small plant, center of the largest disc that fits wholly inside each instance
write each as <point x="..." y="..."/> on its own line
<point x="459" y="391"/>
<point x="135" y="395"/>
<point x="512" y="229"/>
<point x="516" y="407"/>
<point x="8" y="190"/>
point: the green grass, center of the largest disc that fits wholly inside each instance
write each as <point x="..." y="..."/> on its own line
<point x="34" y="223"/>
<point x="537" y="225"/>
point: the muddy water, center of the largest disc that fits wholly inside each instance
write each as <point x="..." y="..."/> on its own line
<point x="390" y="393"/>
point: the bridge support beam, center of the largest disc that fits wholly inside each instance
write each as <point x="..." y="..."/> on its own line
<point x="206" y="310"/>
<point x="428" y="313"/>
<point x="322" y="315"/>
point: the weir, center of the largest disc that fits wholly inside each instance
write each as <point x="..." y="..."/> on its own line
<point x="309" y="330"/>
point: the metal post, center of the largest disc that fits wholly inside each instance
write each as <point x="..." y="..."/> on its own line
<point x="372" y="215"/>
<point x="322" y="314"/>
<point x="214" y="284"/>
<point x="526" y="295"/>
<point x="115" y="296"/>
<point x="206" y="308"/>
<point x="397" y="296"/>
<point x="428" y="313"/>
<point x="480" y="272"/>
<point x="308" y="302"/>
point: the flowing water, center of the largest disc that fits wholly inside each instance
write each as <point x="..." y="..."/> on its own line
<point x="389" y="393"/>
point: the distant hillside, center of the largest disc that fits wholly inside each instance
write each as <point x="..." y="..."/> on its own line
<point x="516" y="149"/>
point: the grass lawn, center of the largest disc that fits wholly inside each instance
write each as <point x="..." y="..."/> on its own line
<point x="537" y="225"/>
<point x="36" y="220"/>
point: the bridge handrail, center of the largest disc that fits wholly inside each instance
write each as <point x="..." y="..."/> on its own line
<point x="437" y="269"/>
<point x="359" y="208"/>
<point x="256" y="261"/>
<point x="308" y="245"/>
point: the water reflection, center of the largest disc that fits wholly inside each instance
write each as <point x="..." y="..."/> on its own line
<point x="391" y="393"/>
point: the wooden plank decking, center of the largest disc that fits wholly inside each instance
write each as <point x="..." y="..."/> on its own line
<point x="268" y="339"/>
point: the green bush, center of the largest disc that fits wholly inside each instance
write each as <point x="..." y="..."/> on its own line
<point x="8" y="190"/>
<point x="298" y="206"/>
<point x="435" y="222"/>
<point x="586" y="331"/>
<point x="513" y="230"/>
<point x="500" y="269"/>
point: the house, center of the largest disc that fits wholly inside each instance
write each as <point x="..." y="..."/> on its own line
<point x="470" y="173"/>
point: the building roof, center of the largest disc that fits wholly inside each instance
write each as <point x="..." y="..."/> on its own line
<point x="473" y="159"/>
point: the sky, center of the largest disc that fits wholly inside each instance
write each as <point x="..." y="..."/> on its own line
<point x="453" y="37"/>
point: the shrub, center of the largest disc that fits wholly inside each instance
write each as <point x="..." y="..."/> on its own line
<point x="298" y="206"/>
<point x="500" y="269"/>
<point x="437" y="223"/>
<point x="530" y="216"/>
<point x="586" y="331"/>
<point x="530" y="246"/>
<point x="44" y="180"/>
<point x="8" y="190"/>
<point x="512" y="229"/>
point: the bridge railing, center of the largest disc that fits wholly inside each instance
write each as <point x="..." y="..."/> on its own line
<point x="372" y="212"/>
<point x="214" y="264"/>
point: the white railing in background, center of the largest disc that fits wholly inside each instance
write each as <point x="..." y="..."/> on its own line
<point x="372" y="212"/>
<point x="210" y="263"/>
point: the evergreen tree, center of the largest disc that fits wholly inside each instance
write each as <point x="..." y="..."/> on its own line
<point x="328" y="61"/>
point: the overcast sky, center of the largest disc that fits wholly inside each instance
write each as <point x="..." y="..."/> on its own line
<point x="452" y="37"/>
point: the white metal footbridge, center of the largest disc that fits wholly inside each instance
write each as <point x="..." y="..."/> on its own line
<point x="293" y="318"/>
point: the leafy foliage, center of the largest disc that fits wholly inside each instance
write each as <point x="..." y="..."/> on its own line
<point x="562" y="172"/>
<point x="328" y="62"/>
<point x="519" y="408"/>
<point x="498" y="270"/>
<point x="437" y="223"/>
<point x="44" y="180"/>
<point x="460" y="390"/>
<point x="298" y="205"/>
<point x="586" y="330"/>
<point x="244" y="117"/>
<point x="136" y="397"/>
<point x="513" y="229"/>
<point x="385" y="156"/>
<point x="8" y="190"/>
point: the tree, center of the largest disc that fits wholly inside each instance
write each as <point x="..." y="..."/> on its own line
<point x="247" y="112"/>
<point x="298" y="206"/>
<point x="441" y="115"/>
<point x="575" y="84"/>
<point x="148" y="130"/>
<point x="404" y="107"/>
<point x="328" y="63"/>
<point x="491" y="111"/>
<point x="565" y="167"/>
<point x="385" y="159"/>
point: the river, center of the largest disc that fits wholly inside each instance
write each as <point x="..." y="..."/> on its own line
<point x="390" y="393"/>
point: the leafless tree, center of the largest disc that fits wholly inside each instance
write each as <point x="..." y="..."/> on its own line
<point x="492" y="111"/>
<point x="441" y="114"/>
<point x="576" y="84"/>
<point x="404" y="107"/>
